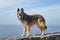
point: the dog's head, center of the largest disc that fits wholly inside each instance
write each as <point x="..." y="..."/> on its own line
<point x="20" y="13"/>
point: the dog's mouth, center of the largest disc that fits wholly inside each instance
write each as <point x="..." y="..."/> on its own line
<point x="20" y="17"/>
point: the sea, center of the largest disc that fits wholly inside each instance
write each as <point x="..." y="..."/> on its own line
<point x="16" y="30"/>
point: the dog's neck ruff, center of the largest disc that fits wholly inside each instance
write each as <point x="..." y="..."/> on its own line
<point x="26" y="18"/>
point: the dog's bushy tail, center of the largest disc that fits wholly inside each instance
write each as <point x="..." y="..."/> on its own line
<point x="45" y="27"/>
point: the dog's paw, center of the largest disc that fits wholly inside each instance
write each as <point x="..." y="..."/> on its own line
<point x="22" y="35"/>
<point x="27" y="36"/>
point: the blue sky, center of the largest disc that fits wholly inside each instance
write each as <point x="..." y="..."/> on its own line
<point x="50" y="9"/>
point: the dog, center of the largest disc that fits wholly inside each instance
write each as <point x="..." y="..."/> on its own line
<point x="29" y="20"/>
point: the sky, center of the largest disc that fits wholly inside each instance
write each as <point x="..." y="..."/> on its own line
<point x="49" y="9"/>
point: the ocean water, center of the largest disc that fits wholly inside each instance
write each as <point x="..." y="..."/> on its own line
<point x="16" y="30"/>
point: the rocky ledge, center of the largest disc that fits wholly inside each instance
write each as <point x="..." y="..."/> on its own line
<point x="48" y="36"/>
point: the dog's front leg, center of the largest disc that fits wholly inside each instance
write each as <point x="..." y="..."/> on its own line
<point x="24" y="31"/>
<point x="28" y="31"/>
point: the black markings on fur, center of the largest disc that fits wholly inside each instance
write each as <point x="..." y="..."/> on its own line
<point x="22" y="9"/>
<point x="27" y="17"/>
<point x="18" y="9"/>
<point x="45" y="27"/>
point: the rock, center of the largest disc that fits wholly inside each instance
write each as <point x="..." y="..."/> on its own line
<point x="54" y="37"/>
<point x="48" y="36"/>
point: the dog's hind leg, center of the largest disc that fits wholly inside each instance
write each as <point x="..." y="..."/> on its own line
<point x="41" y="25"/>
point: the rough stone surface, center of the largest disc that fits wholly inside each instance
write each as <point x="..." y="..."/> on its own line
<point x="48" y="36"/>
<point x="54" y="37"/>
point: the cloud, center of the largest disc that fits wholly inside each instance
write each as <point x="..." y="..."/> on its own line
<point x="26" y="3"/>
<point x="43" y="9"/>
<point x="6" y="3"/>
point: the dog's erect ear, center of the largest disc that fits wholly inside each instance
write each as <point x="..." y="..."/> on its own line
<point x="22" y="9"/>
<point x="18" y="9"/>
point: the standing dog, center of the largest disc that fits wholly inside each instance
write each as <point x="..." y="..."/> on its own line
<point x="29" y="20"/>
